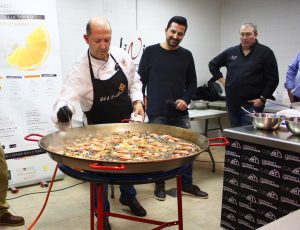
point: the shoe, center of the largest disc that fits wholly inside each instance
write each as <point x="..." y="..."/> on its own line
<point x="135" y="207"/>
<point x="159" y="192"/>
<point x="7" y="219"/>
<point x="194" y="190"/>
<point x="106" y="224"/>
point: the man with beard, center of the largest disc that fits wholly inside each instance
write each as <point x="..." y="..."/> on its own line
<point x="168" y="73"/>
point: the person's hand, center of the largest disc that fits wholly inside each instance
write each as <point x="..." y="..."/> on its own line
<point x="181" y="105"/>
<point x="291" y="96"/>
<point x="64" y="114"/>
<point x="138" y="109"/>
<point x="257" y="102"/>
<point x="222" y="81"/>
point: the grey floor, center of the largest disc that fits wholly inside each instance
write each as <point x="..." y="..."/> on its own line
<point x="69" y="209"/>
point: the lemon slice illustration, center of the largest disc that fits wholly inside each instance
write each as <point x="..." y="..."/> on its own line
<point x="34" y="53"/>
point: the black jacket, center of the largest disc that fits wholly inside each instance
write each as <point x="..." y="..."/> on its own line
<point x="248" y="77"/>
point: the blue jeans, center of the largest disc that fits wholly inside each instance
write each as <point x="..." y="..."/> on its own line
<point x="178" y="121"/>
<point x="128" y="193"/>
<point x="241" y="117"/>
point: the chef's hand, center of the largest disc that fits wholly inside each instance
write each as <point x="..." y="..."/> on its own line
<point x="138" y="109"/>
<point x="181" y="105"/>
<point x="64" y="114"/>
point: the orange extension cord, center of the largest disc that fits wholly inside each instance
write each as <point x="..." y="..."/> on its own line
<point x="45" y="203"/>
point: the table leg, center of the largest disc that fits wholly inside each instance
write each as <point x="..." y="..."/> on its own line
<point x="179" y="202"/>
<point x="212" y="159"/>
<point x="206" y="127"/>
<point x="220" y="124"/>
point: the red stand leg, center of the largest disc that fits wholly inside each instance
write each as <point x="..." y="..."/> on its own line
<point x="100" y="206"/>
<point x="92" y="212"/>
<point x="179" y="203"/>
<point x="101" y="214"/>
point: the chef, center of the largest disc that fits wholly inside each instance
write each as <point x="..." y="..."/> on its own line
<point x="108" y="88"/>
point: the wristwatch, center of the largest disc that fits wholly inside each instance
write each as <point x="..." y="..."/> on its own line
<point x="263" y="99"/>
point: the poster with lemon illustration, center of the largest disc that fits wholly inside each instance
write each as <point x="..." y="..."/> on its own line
<point x="30" y="81"/>
<point x="33" y="53"/>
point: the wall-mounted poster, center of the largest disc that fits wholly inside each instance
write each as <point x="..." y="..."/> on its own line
<point x="30" y="78"/>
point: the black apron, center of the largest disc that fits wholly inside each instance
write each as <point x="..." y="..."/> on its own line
<point x="111" y="102"/>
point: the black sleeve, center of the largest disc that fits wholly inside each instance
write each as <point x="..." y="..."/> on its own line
<point x="216" y="64"/>
<point x="271" y="75"/>
<point x="191" y="82"/>
<point x="142" y="71"/>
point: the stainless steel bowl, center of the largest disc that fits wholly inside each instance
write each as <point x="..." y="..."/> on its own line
<point x="200" y="104"/>
<point x="266" y="121"/>
<point x="293" y="125"/>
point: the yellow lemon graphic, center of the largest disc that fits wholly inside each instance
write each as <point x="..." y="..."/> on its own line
<point x="34" y="53"/>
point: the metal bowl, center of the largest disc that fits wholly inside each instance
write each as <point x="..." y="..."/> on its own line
<point x="293" y="125"/>
<point x="199" y="104"/>
<point x="266" y="121"/>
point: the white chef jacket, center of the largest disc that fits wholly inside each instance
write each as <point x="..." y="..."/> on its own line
<point x="78" y="86"/>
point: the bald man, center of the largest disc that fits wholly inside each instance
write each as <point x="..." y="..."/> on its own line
<point x="105" y="83"/>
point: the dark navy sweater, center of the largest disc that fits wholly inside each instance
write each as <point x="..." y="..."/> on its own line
<point x="167" y="75"/>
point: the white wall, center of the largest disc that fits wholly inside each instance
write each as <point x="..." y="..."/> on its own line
<point x="213" y="26"/>
<point x="278" y="28"/>
<point x="145" y="18"/>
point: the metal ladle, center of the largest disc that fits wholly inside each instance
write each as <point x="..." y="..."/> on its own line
<point x="251" y="114"/>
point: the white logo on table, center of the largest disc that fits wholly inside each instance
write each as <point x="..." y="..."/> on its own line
<point x="236" y="145"/>
<point x="251" y="148"/>
<point x="272" y="195"/>
<point x="232" y="200"/>
<point x="252" y="177"/>
<point x="254" y="160"/>
<point x="234" y="182"/>
<point x="235" y="162"/>
<point x="292" y="158"/>
<point x="231" y="217"/>
<point x="249" y="187"/>
<point x="266" y="203"/>
<point x="230" y="153"/>
<point x="226" y="169"/>
<point x="245" y="223"/>
<point x="228" y="208"/>
<point x="296" y="171"/>
<point x="276" y="154"/>
<point x="274" y="173"/>
<point x="247" y="206"/>
<point x="270" y="215"/>
<point x="289" y="201"/>
<point x="270" y="163"/>
<point x="249" y="217"/>
<point x="251" y="198"/>
<point x="295" y="191"/>
<point x="268" y="182"/>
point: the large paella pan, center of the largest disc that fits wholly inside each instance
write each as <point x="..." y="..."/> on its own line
<point x="55" y="143"/>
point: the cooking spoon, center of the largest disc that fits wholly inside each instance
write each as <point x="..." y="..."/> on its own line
<point x="251" y="114"/>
